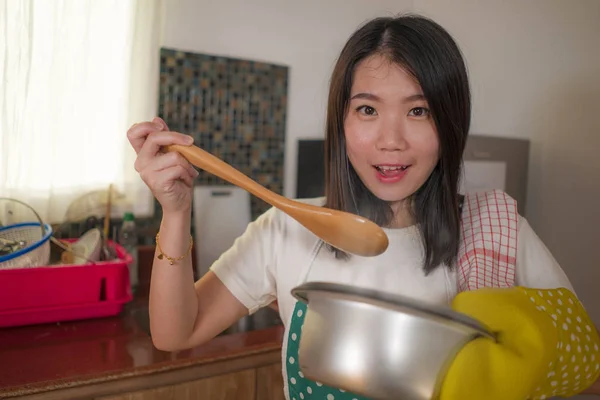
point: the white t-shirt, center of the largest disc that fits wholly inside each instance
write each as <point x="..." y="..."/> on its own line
<point x="276" y="254"/>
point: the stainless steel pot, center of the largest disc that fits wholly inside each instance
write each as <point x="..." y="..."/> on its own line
<point x="379" y="345"/>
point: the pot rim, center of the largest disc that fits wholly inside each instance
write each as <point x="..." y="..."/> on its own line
<point x="392" y="302"/>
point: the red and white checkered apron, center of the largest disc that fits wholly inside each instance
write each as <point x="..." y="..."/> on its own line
<point x="488" y="252"/>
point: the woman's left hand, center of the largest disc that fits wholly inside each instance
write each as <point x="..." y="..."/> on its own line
<point x="547" y="346"/>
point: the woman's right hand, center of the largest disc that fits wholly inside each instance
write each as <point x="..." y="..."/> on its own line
<point x="169" y="176"/>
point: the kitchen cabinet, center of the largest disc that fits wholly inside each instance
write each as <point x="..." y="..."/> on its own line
<point x="114" y="358"/>
<point x="269" y="383"/>
<point x="242" y="366"/>
<point x="263" y="383"/>
<point x="235" y="386"/>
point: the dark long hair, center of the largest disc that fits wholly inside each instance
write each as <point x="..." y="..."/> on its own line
<point x="427" y="52"/>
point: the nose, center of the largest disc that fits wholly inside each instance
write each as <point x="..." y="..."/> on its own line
<point x="392" y="136"/>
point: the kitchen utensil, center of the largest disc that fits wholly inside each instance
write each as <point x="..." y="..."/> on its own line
<point x="107" y="252"/>
<point x="36" y="251"/>
<point x="347" y="232"/>
<point x="67" y="256"/>
<point x="107" y="214"/>
<point x="88" y="247"/>
<point x="379" y="345"/>
<point x="32" y="238"/>
<point x="8" y="246"/>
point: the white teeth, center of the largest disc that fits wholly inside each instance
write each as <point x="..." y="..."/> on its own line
<point x="385" y="168"/>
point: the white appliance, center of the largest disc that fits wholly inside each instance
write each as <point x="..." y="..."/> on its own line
<point x="497" y="163"/>
<point x="221" y="214"/>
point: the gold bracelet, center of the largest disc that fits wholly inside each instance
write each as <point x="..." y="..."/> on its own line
<point x="162" y="255"/>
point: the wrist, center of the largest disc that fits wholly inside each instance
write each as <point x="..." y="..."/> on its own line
<point x="177" y="218"/>
<point x="177" y="212"/>
<point x="173" y="237"/>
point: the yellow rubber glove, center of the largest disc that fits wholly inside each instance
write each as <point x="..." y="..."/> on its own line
<point x="547" y="346"/>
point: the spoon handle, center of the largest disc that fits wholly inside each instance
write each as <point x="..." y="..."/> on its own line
<point x="211" y="164"/>
<point x="343" y="230"/>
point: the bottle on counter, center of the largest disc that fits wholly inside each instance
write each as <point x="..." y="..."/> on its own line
<point x="128" y="238"/>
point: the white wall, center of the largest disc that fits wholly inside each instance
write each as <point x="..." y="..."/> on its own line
<point x="535" y="73"/>
<point x="534" y="66"/>
<point x="305" y="35"/>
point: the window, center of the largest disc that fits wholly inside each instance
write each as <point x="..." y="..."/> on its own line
<point x="75" y="75"/>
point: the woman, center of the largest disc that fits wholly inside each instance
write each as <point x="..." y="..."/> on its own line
<point x="397" y="123"/>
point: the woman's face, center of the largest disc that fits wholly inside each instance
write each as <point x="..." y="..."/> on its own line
<point x="391" y="138"/>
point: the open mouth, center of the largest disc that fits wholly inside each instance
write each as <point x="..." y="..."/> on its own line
<point x="391" y="170"/>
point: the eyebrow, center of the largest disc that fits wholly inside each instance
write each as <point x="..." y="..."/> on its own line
<point x="374" y="97"/>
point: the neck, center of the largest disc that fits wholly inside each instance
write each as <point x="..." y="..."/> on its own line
<point x="403" y="217"/>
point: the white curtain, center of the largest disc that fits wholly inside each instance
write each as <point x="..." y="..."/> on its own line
<point x="75" y="74"/>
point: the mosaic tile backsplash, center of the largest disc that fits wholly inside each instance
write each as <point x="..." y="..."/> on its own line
<point x="234" y="108"/>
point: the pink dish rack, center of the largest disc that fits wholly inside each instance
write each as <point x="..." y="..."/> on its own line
<point x="58" y="293"/>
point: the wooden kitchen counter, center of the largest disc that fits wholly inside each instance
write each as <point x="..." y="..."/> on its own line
<point x="114" y="359"/>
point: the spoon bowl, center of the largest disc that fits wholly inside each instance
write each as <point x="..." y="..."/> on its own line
<point x="348" y="232"/>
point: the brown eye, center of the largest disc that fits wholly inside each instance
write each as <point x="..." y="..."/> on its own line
<point x="367" y="110"/>
<point x="419" y="112"/>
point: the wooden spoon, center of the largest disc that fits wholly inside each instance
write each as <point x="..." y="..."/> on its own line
<point x="347" y="232"/>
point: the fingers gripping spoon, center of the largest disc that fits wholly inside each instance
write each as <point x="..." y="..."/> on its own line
<point x="345" y="231"/>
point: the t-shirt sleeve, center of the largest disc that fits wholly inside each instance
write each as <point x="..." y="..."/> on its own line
<point x="247" y="269"/>
<point x="536" y="267"/>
